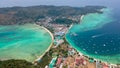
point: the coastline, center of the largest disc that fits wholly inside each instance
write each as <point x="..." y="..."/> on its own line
<point x="72" y="25"/>
<point x="36" y="56"/>
<point x="67" y="32"/>
<point x="82" y="17"/>
<point x="87" y="56"/>
<point x="48" y="47"/>
<point x="80" y="52"/>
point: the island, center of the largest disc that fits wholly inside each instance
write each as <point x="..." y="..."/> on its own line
<point x="57" y="20"/>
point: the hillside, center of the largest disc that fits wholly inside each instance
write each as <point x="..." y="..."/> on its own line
<point x="21" y="15"/>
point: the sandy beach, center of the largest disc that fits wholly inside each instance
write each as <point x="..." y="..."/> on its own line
<point x="49" y="46"/>
<point x="53" y="38"/>
<point x="80" y="51"/>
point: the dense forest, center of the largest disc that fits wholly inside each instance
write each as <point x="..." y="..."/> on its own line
<point x="63" y="21"/>
<point x="21" y="15"/>
<point x="17" y="64"/>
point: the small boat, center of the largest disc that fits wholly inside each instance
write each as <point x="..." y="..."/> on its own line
<point x="74" y="34"/>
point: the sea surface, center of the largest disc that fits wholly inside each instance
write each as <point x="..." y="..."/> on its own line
<point x="98" y="36"/>
<point x="26" y="42"/>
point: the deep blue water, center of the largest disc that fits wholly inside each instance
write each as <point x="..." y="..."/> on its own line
<point x="103" y="41"/>
<point x="98" y="42"/>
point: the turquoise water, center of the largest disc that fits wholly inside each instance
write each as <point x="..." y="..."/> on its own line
<point x="52" y="63"/>
<point x="27" y="42"/>
<point x="98" y="36"/>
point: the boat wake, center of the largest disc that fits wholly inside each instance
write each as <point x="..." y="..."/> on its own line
<point x="98" y="35"/>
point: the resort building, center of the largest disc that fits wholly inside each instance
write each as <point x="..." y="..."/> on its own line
<point x="71" y="51"/>
<point x="59" y="61"/>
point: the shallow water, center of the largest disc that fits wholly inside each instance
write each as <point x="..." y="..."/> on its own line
<point x="23" y="42"/>
<point x="98" y="36"/>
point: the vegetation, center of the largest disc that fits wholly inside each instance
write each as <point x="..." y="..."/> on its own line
<point x="45" y="60"/>
<point x="17" y="64"/>
<point x="63" y="21"/>
<point x="60" y="50"/>
<point x="21" y="15"/>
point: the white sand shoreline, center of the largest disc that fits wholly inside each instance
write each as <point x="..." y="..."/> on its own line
<point x="49" y="46"/>
<point x="80" y="51"/>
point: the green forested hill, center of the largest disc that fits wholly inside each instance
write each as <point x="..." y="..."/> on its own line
<point x="21" y="15"/>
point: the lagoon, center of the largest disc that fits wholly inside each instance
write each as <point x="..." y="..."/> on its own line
<point x="26" y="42"/>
